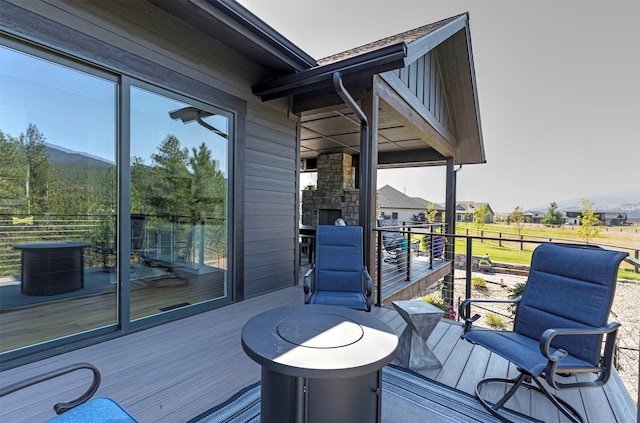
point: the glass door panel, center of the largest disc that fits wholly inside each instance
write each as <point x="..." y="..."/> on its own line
<point x="179" y="204"/>
<point x="57" y="199"/>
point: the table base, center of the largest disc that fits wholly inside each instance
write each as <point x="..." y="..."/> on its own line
<point x="293" y="399"/>
<point x="413" y="352"/>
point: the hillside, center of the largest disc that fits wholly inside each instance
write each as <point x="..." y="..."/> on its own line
<point x="625" y="201"/>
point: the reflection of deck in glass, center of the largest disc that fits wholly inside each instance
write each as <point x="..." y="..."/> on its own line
<point x="151" y="292"/>
<point x="198" y="362"/>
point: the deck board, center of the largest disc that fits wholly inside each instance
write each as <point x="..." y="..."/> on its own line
<point x="174" y="372"/>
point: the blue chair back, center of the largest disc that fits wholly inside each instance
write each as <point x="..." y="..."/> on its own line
<point x="338" y="258"/>
<point x="438" y="246"/>
<point x="582" y="280"/>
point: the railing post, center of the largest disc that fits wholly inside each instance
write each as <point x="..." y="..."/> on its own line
<point x="379" y="271"/>
<point x="408" y="254"/>
<point x="431" y="248"/>
<point x="500" y="237"/>
<point x="468" y="266"/>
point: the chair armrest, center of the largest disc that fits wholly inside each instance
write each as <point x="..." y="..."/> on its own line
<point x="366" y="286"/>
<point x="464" y="310"/>
<point x="309" y="283"/>
<point x="63" y="406"/>
<point x="366" y="282"/>
<point x="604" y="367"/>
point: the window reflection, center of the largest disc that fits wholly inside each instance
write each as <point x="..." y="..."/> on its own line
<point x="178" y="203"/>
<point x="57" y="199"/>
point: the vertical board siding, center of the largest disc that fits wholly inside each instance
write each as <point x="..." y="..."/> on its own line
<point x="423" y="79"/>
<point x="420" y="80"/>
<point x="427" y="80"/>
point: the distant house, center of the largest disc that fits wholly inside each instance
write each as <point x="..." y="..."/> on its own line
<point x="534" y="216"/>
<point x="466" y="211"/>
<point x="393" y="204"/>
<point x="610" y="218"/>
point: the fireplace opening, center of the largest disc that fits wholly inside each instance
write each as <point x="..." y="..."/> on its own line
<point x="328" y="216"/>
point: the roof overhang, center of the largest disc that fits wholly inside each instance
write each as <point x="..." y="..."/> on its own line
<point x="320" y="78"/>
<point x="408" y="134"/>
<point x="232" y="24"/>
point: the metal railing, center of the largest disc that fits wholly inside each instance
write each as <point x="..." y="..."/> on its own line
<point x="407" y="251"/>
<point x="99" y="231"/>
<point x="627" y="354"/>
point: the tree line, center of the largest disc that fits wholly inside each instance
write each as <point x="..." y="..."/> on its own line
<point x="178" y="184"/>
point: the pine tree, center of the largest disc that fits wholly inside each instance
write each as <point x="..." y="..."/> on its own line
<point x="553" y="216"/>
<point x="13" y="174"/>
<point x="209" y="188"/>
<point x="40" y="178"/>
<point x="171" y="187"/>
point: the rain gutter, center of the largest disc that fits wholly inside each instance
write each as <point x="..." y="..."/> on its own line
<point x="364" y="65"/>
<point x="366" y="154"/>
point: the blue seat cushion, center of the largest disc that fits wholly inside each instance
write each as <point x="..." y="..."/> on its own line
<point x="97" y="410"/>
<point x="521" y="350"/>
<point x="339" y="298"/>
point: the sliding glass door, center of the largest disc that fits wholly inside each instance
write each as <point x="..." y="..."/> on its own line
<point x="114" y="202"/>
<point x="179" y="203"/>
<point x="57" y="199"/>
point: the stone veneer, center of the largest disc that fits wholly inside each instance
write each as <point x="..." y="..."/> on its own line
<point x="335" y="191"/>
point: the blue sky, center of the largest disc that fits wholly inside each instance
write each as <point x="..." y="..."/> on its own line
<point x="77" y="111"/>
<point x="558" y="89"/>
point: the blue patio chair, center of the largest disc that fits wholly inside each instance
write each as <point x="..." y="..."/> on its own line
<point x="166" y="259"/>
<point x="338" y="276"/>
<point x="82" y="409"/>
<point x="560" y="324"/>
<point x="437" y="243"/>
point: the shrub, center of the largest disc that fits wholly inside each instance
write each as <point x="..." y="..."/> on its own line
<point x="494" y="321"/>
<point x="478" y="282"/>
<point x="516" y="292"/>
<point x="449" y="311"/>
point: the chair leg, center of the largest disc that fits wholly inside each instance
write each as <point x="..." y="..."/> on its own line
<point x="493" y="408"/>
<point x="524" y="380"/>
<point x="566" y="409"/>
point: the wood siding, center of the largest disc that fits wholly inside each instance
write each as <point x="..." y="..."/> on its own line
<point x="267" y="159"/>
<point x="424" y="81"/>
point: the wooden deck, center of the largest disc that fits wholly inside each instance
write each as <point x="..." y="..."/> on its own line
<point x="174" y="372"/>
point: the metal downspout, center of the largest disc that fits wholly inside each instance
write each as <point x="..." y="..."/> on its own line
<point x="365" y="159"/>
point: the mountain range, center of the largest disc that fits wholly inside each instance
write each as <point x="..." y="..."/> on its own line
<point x="624" y="201"/>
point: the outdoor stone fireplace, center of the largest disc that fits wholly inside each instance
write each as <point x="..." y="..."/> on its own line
<point x="335" y="196"/>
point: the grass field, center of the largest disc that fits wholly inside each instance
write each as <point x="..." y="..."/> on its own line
<point x="627" y="238"/>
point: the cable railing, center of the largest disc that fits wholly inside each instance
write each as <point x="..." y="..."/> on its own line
<point x="469" y="280"/>
<point x="99" y="231"/>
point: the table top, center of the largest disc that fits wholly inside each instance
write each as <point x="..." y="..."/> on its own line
<point x="319" y="341"/>
<point x="416" y="307"/>
<point x="307" y="230"/>
<point x="46" y="245"/>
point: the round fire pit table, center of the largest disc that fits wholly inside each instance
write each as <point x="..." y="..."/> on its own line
<point x="319" y="363"/>
<point x="52" y="268"/>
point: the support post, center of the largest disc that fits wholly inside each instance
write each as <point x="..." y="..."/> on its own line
<point x="450" y="217"/>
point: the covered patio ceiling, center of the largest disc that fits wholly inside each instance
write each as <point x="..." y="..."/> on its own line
<point x="337" y="130"/>
<point x="414" y="127"/>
